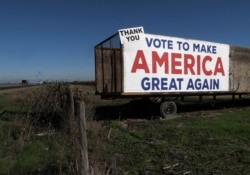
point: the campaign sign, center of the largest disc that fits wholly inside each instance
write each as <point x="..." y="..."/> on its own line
<point x="131" y="34"/>
<point x="170" y="64"/>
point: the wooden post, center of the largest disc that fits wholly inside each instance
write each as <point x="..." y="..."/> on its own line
<point x="84" y="164"/>
<point x="73" y="131"/>
<point x="72" y="107"/>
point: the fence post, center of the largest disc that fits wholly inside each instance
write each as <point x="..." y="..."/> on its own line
<point x="84" y="164"/>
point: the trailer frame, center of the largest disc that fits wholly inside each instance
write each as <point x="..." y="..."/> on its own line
<point x="109" y="76"/>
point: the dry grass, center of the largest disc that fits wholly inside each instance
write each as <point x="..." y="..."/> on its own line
<point x="124" y="141"/>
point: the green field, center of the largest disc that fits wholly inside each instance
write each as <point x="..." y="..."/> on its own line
<point x="28" y="145"/>
<point x="197" y="142"/>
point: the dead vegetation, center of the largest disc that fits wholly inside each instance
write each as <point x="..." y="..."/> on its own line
<point x="39" y="135"/>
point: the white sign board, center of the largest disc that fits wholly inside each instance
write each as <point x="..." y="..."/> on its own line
<point x="130" y="35"/>
<point x="170" y="64"/>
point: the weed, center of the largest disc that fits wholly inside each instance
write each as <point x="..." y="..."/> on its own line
<point x="213" y="145"/>
<point x="35" y="139"/>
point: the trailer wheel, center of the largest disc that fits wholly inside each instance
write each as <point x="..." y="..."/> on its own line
<point x="168" y="108"/>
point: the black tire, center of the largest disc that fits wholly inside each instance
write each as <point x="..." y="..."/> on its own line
<point x="167" y="109"/>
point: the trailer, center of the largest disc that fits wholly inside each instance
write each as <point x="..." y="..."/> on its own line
<point x="134" y="64"/>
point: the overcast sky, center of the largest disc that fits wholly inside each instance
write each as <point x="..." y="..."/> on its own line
<point x="55" y="39"/>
